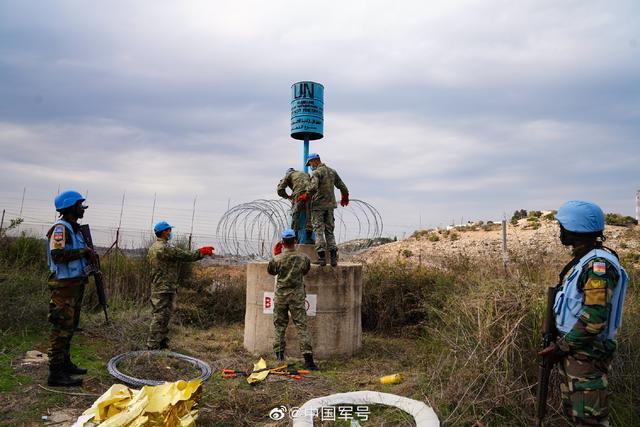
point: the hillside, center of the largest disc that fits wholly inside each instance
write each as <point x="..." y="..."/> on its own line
<point x="431" y="247"/>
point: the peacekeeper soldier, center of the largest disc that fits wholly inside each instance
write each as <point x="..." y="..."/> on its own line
<point x="323" y="202"/>
<point x="68" y="256"/>
<point x="165" y="263"/>
<point x="588" y="310"/>
<point x="298" y="182"/>
<point x="290" y="266"/>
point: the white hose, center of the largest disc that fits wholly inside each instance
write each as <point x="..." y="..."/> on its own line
<point x="423" y="415"/>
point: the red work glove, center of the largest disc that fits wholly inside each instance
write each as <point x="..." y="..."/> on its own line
<point x="345" y="199"/>
<point x="303" y="197"/>
<point x="206" y="251"/>
<point x="277" y="249"/>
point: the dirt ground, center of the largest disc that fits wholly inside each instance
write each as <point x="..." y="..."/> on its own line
<point x="29" y="402"/>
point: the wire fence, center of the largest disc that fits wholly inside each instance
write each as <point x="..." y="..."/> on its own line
<point x="246" y="229"/>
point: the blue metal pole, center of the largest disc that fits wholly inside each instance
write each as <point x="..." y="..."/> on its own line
<point x="302" y="235"/>
<point x="305" y="154"/>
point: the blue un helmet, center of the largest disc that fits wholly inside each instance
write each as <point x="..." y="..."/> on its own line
<point x="579" y="216"/>
<point x="161" y="226"/>
<point x="67" y="199"/>
<point x="288" y="234"/>
<point x="312" y="156"/>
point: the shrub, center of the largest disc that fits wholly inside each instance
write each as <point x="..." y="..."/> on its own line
<point x="517" y="215"/>
<point x="619" y="220"/>
<point x="406" y="253"/>
<point x="397" y="295"/>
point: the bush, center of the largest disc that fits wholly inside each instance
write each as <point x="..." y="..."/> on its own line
<point x="406" y="253"/>
<point x="397" y="296"/>
<point x="24" y="252"/>
<point x="215" y="295"/>
<point x="518" y="215"/>
<point x="619" y="220"/>
<point x="23" y="283"/>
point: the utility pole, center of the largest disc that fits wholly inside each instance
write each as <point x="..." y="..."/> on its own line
<point x="24" y="190"/>
<point x="153" y="210"/>
<point x="193" y="215"/>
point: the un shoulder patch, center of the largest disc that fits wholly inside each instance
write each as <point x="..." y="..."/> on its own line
<point x="58" y="233"/>
<point x="599" y="268"/>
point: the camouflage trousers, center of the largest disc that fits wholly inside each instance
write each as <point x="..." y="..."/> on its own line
<point x="298" y="208"/>
<point x="162" y="308"/>
<point x="323" y="225"/>
<point x="285" y="302"/>
<point x="584" y="389"/>
<point x="64" y="309"/>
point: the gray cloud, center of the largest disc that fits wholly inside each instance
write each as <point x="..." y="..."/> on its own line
<point x="433" y="110"/>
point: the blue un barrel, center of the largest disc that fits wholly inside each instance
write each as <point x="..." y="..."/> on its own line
<point x="307" y="110"/>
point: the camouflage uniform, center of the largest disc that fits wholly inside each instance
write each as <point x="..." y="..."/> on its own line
<point x="587" y="360"/>
<point x="66" y="299"/>
<point x="298" y="182"/>
<point x="290" y="266"/>
<point x="165" y="261"/>
<point x="323" y="203"/>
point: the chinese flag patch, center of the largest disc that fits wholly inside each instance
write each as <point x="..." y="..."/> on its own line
<point x="599" y="267"/>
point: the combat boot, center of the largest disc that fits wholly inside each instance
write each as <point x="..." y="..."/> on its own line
<point x="58" y="377"/>
<point x="71" y="368"/>
<point x="322" y="261"/>
<point x="280" y="356"/>
<point x="164" y="344"/>
<point x="308" y="362"/>
<point x="334" y="257"/>
<point x="309" y="238"/>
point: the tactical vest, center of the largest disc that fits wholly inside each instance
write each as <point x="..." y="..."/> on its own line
<point x="72" y="269"/>
<point x="569" y="298"/>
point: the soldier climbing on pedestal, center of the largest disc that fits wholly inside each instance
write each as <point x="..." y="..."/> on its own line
<point x="323" y="203"/>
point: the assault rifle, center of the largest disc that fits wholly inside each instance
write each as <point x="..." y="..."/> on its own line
<point x="93" y="269"/>
<point x="549" y="335"/>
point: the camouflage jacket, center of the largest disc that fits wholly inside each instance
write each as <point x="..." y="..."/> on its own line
<point x="296" y="180"/>
<point x="321" y="189"/>
<point x="165" y="263"/>
<point x="290" y="266"/>
<point x="597" y="289"/>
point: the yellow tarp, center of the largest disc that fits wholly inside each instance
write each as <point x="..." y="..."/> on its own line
<point x="258" y="376"/>
<point x="169" y="404"/>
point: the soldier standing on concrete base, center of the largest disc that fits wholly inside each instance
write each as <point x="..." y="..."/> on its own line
<point x="165" y="263"/>
<point x="323" y="203"/>
<point x="588" y="312"/>
<point x="298" y="181"/>
<point x="68" y="256"/>
<point x="290" y="266"/>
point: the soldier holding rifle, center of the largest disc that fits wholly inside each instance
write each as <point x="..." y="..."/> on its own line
<point x="587" y="310"/>
<point x="68" y="258"/>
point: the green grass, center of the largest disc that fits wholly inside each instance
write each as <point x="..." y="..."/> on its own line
<point x="13" y="348"/>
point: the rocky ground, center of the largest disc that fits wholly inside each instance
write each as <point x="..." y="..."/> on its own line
<point x="523" y="240"/>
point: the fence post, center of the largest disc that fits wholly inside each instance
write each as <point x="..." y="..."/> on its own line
<point x="2" y="222"/>
<point x="505" y="254"/>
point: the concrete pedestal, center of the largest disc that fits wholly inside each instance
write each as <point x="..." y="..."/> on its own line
<point x="336" y="328"/>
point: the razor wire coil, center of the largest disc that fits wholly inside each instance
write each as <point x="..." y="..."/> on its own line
<point x="251" y="229"/>
<point x="112" y="367"/>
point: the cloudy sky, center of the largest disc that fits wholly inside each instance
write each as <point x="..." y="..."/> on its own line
<point x="433" y="110"/>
